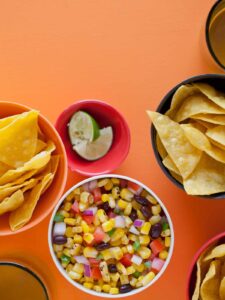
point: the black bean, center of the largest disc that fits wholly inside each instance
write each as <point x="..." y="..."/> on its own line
<point x="112" y="268"/>
<point x="102" y="246"/>
<point x="133" y="215"/>
<point x="105" y="206"/>
<point x="141" y="200"/>
<point x="125" y="288"/>
<point x="146" y="211"/>
<point x="59" y="240"/>
<point x="156" y="230"/>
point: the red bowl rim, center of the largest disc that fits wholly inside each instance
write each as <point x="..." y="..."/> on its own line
<point x="45" y="213"/>
<point x="128" y="135"/>
<point x="196" y="256"/>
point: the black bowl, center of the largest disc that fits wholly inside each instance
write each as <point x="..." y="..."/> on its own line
<point x="218" y="82"/>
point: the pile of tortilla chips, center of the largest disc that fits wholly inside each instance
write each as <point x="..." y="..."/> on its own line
<point x="191" y="138"/>
<point x="27" y="166"/>
<point x="210" y="275"/>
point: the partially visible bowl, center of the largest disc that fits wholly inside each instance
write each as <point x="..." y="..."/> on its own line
<point x="49" y="199"/>
<point x="218" y="239"/>
<point x="218" y="82"/>
<point x="105" y="115"/>
<point x="88" y="183"/>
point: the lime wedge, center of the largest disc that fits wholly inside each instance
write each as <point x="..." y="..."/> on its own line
<point x="98" y="148"/>
<point x="83" y="127"/>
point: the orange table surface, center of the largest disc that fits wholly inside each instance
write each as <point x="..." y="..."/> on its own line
<point x="128" y="53"/>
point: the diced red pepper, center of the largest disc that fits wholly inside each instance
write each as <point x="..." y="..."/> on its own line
<point x="97" y="194"/>
<point x="135" y="188"/>
<point x="94" y="262"/>
<point x="99" y="234"/>
<point x="96" y="273"/>
<point x="126" y="260"/>
<point x="88" y="219"/>
<point x="75" y="207"/>
<point x="157" y="246"/>
<point x="157" y="264"/>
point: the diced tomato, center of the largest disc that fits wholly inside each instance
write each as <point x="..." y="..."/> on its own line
<point x="99" y="234"/>
<point x="75" y="207"/>
<point x="94" y="261"/>
<point x="123" y="183"/>
<point x="96" y="273"/>
<point x="157" y="264"/>
<point x="157" y="246"/>
<point x="88" y="219"/>
<point x="112" y="215"/>
<point x="126" y="260"/>
<point x="97" y="194"/>
<point x="134" y="188"/>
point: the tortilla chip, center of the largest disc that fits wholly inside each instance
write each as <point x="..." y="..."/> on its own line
<point x="207" y="125"/>
<point x="176" y="176"/>
<point x="210" y="286"/>
<point x="196" y="104"/>
<point x="161" y="149"/>
<point x="215" y="96"/>
<point x="11" y="203"/>
<point x="210" y="118"/>
<point x="3" y="168"/>
<point x="217" y="252"/>
<point x="19" y="217"/>
<point x="8" y="120"/>
<point x="222" y="289"/>
<point x="54" y="162"/>
<point x="182" y="152"/>
<point x="170" y="165"/>
<point x="40" y="146"/>
<point x="207" y="178"/>
<point x="217" y="144"/>
<point x="217" y="134"/>
<point x="18" y="140"/>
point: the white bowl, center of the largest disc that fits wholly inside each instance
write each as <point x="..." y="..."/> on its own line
<point x="102" y="294"/>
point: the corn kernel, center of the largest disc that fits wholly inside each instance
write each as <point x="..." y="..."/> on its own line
<point x="84" y="196"/>
<point x="69" y="197"/>
<point x="140" y="268"/>
<point x="154" y="219"/>
<point x="115" y="243"/>
<point x="115" y="181"/>
<point x="91" y="228"/>
<point x="97" y="288"/>
<point x="106" y="238"/>
<point x="126" y="194"/>
<point x="115" y="277"/>
<point x="156" y="209"/>
<point x="135" y="205"/>
<point x="144" y="252"/>
<point x="108" y="186"/>
<point x="167" y="241"/>
<point x="130" y="270"/>
<point x="64" y="213"/>
<point x="132" y="237"/>
<point x="118" y="234"/>
<point x="70" y="221"/>
<point x="67" y="206"/>
<point x="108" y="225"/>
<point x="124" y="240"/>
<point x="106" y="254"/>
<point x="151" y="199"/>
<point x="101" y="215"/>
<point x="67" y="252"/>
<point x="59" y="254"/>
<point x="163" y="254"/>
<point x="69" y="232"/>
<point x="112" y="202"/>
<point x="116" y="192"/>
<point x="96" y="221"/>
<point x="124" y="249"/>
<point x="78" y="268"/>
<point x="104" y="271"/>
<point x="117" y="253"/>
<point x="124" y="279"/>
<point x="147" y="278"/>
<point x="69" y="268"/>
<point x="90" y="252"/>
<point x="133" y="281"/>
<point x="69" y="243"/>
<point x="88" y="238"/>
<point x="114" y="291"/>
<point x="105" y="197"/>
<point x="128" y="221"/>
<point x="88" y="285"/>
<point x="122" y="204"/>
<point x="103" y="182"/>
<point x="57" y="248"/>
<point x="130" y="249"/>
<point x="82" y="206"/>
<point x="140" y="215"/>
<point x="77" y="229"/>
<point x="128" y="209"/>
<point x="78" y="239"/>
<point x="77" y="191"/>
<point x="74" y="275"/>
<point x="106" y="288"/>
<point x="144" y="240"/>
<point x="139" y="281"/>
<point x="121" y="269"/>
<point x="78" y="220"/>
<point x="145" y="228"/>
<point x="76" y="249"/>
<point x="85" y="227"/>
<point x="166" y="233"/>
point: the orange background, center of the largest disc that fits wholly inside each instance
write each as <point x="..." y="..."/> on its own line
<point x="126" y="52"/>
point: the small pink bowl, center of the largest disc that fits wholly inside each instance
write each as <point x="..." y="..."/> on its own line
<point x="105" y="115"/>
<point x="220" y="238"/>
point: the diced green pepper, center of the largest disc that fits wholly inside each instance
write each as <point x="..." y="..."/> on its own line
<point x="58" y="218"/>
<point x="65" y="259"/>
<point x="117" y="211"/>
<point x="110" y="233"/>
<point x="147" y="264"/>
<point x="136" y="274"/>
<point x="165" y="226"/>
<point x="100" y="256"/>
<point x="136" y="245"/>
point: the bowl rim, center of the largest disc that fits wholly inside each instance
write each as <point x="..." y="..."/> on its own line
<point x="120" y="158"/>
<point x="30" y="271"/>
<point x="78" y="285"/>
<point x="153" y="131"/>
<point x="196" y="256"/>
<point x="45" y="213"/>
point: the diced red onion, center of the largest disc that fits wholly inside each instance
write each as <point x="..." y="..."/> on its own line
<point x="59" y="229"/>
<point x="136" y="259"/>
<point x="157" y="264"/>
<point x="138" y="223"/>
<point x="87" y="271"/>
<point x="136" y="192"/>
<point x="120" y="222"/>
<point x="81" y="259"/>
<point x="92" y="185"/>
<point x="91" y="211"/>
<point x="134" y="230"/>
<point x="85" y="187"/>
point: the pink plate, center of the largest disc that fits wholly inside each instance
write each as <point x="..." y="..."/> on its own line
<point x="105" y="115"/>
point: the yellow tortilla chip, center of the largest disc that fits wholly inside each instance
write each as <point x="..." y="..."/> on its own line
<point x="37" y="162"/>
<point x="3" y="168"/>
<point x="210" y="118"/>
<point x="217" y="144"/>
<point x="18" y="140"/>
<point x="207" y="178"/>
<point x="207" y="125"/>
<point x="161" y="149"/>
<point x="217" y="134"/>
<point x="40" y="146"/>
<point x="196" y="104"/>
<point x="30" y="185"/>
<point x="170" y="165"/>
<point x="182" y="152"/>
<point x="54" y="162"/>
<point x="19" y="217"/>
<point x="222" y="289"/>
<point x="210" y="286"/>
<point x="8" y="120"/>
<point x="217" y="252"/>
<point x="215" y="96"/>
<point x="176" y="176"/>
<point x="11" y="203"/>
<point x="20" y="180"/>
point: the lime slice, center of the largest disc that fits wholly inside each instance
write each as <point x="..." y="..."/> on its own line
<point x="98" y="148"/>
<point x="83" y="127"/>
